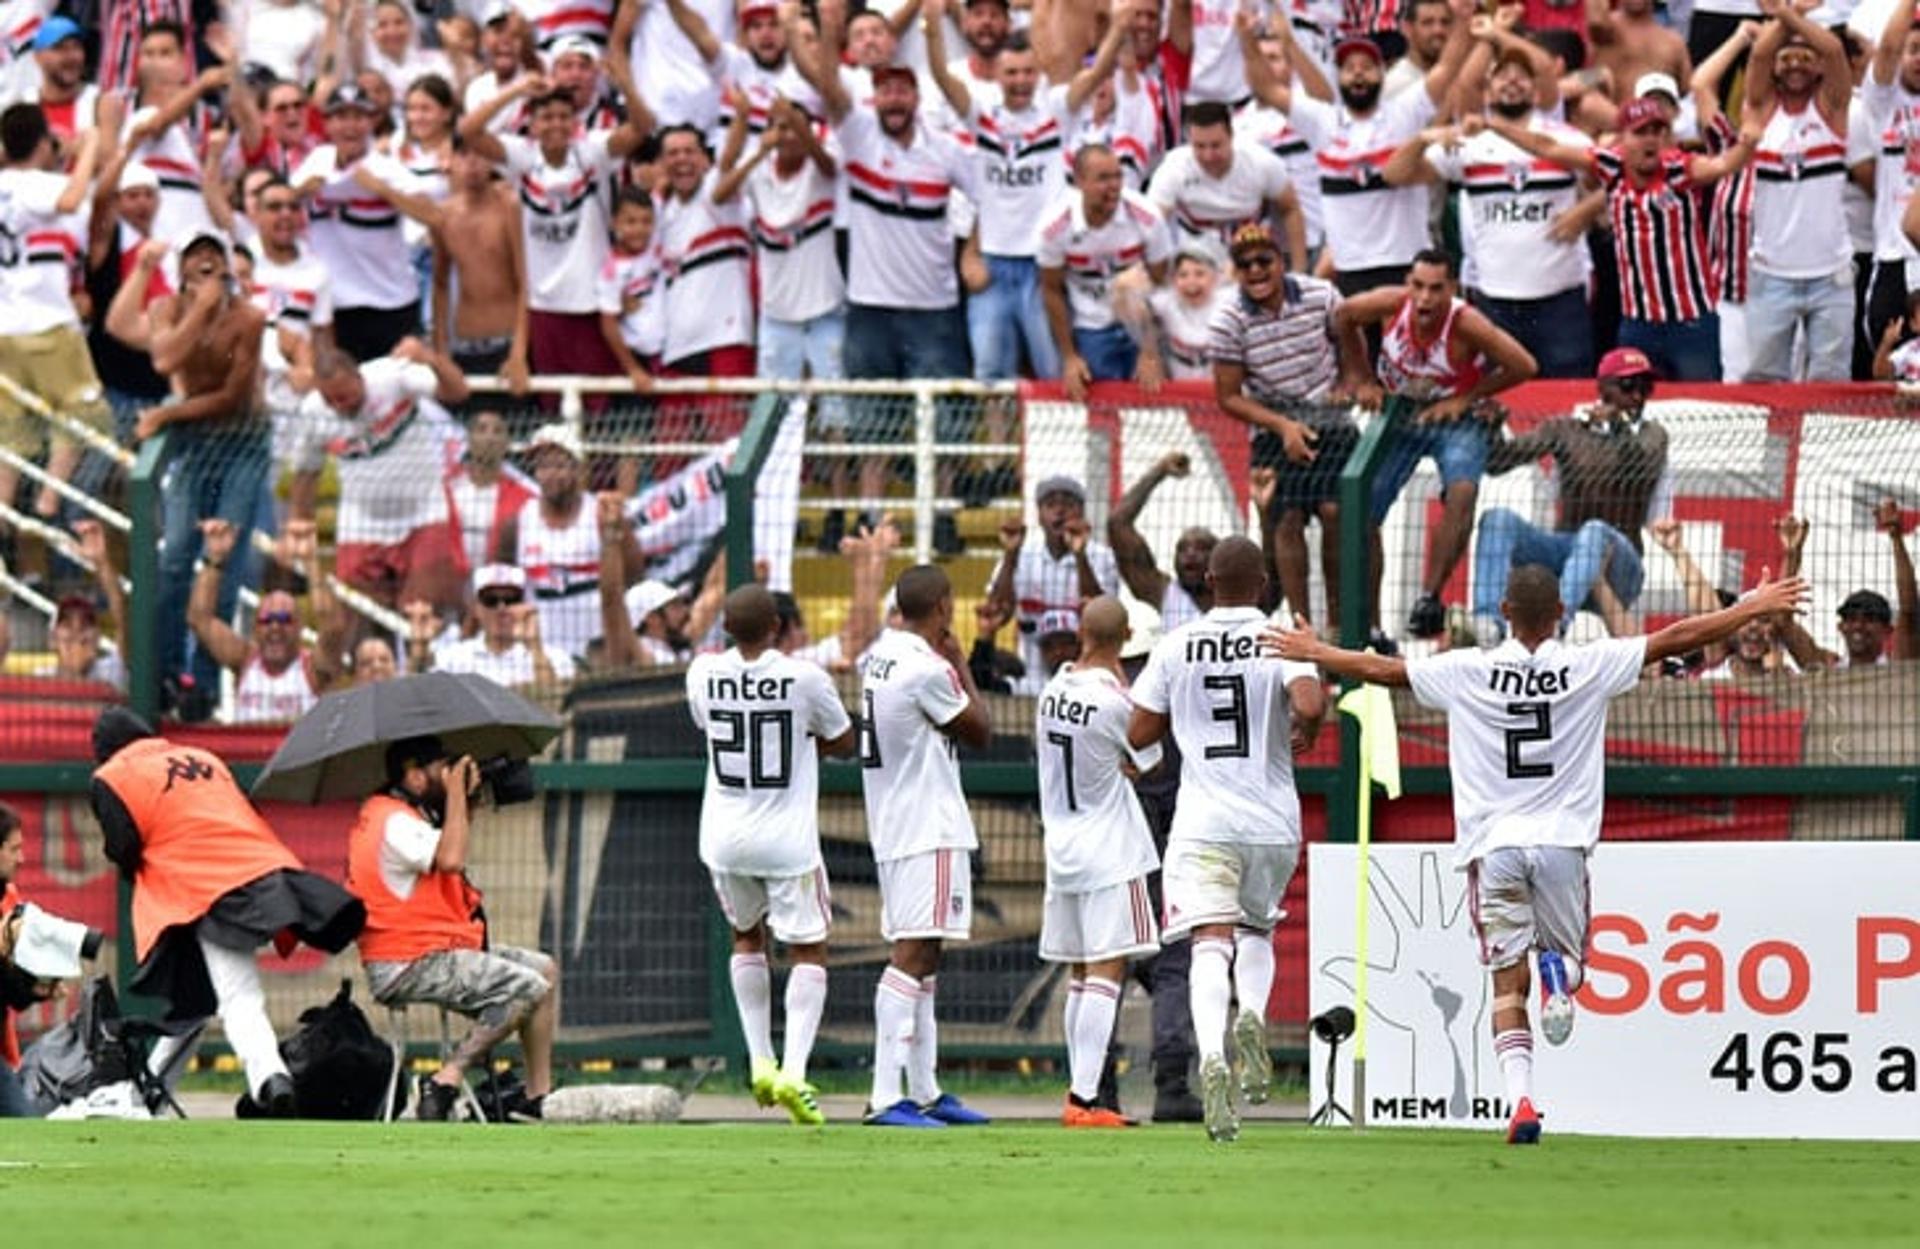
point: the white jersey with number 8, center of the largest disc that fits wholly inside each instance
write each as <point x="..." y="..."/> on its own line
<point x="1096" y="833"/>
<point x="1526" y="738"/>
<point x="909" y="770"/>
<point x="1232" y="719"/>
<point x="760" y="814"/>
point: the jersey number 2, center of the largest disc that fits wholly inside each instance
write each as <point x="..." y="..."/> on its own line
<point x="1541" y="730"/>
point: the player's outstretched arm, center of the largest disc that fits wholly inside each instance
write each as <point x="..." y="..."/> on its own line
<point x="1303" y="645"/>
<point x="1694" y="632"/>
<point x="841" y="747"/>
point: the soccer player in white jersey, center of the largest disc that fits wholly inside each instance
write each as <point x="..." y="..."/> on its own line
<point x="1099" y="850"/>
<point x="768" y="718"/>
<point x="1526" y="747"/>
<point x="917" y="700"/>
<point x="1235" y="841"/>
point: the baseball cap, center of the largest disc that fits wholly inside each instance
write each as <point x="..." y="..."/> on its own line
<point x="1656" y="83"/>
<point x="76" y="607"/>
<point x="1058" y="621"/>
<point x="558" y="434"/>
<point x="1624" y="362"/>
<point x="647" y="598"/>
<point x="207" y="235"/>
<point x="1641" y="113"/>
<point x="1869" y="603"/>
<point x="882" y="72"/>
<point x="55" y="31"/>
<point x="573" y="45"/>
<point x="1060" y="483"/>
<point x="495" y="11"/>
<point x="1366" y="47"/>
<point x="753" y="9"/>
<point x="348" y="96"/>
<point x="970" y="3"/>
<point x="499" y="577"/>
<point x="136" y="177"/>
<point x="1201" y="247"/>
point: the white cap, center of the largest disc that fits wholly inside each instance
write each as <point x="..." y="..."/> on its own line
<point x="48" y="948"/>
<point x="494" y="11"/>
<point x="207" y="234"/>
<point x="647" y="598"/>
<point x="558" y="434"/>
<point x="499" y="577"/>
<point x="1656" y="83"/>
<point x="136" y="177"/>
<point x="573" y="45"/>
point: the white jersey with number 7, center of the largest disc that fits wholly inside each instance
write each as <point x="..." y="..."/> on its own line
<point x="1233" y="721"/>
<point x="1526" y="738"/>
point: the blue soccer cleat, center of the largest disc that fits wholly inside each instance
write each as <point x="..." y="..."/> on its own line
<point x="902" y="1114"/>
<point x="949" y="1110"/>
<point x="1556" y="999"/>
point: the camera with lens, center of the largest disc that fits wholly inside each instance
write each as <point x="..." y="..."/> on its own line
<point x="43" y="948"/>
<point x="506" y="781"/>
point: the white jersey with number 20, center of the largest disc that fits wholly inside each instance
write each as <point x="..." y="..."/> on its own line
<point x="1526" y="738"/>
<point x="760" y="814"/>
<point x="908" y="767"/>
<point x="1232" y="720"/>
<point x="1096" y="833"/>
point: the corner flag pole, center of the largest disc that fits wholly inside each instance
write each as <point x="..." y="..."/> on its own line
<point x="1372" y="707"/>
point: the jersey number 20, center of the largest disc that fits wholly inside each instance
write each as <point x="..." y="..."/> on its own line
<point x="766" y="768"/>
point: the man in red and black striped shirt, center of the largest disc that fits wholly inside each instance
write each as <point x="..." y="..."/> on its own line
<point x="1667" y="285"/>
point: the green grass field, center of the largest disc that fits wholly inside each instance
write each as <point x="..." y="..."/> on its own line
<point x="208" y="1185"/>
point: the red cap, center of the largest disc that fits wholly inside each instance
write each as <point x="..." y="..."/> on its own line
<point x="1624" y="362"/>
<point x="1641" y="113"/>
<point x="1354" y="44"/>
<point x="883" y="72"/>
<point x="754" y="9"/>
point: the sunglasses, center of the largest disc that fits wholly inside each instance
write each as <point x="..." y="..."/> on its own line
<point x="1639" y="383"/>
<point x="1259" y="260"/>
<point x="274" y="618"/>
<point x="499" y="600"/>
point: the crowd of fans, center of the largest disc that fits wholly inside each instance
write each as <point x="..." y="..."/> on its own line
<point x="291" y="234"/>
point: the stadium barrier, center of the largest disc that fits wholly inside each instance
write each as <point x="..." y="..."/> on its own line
<point x="602" y="869"/>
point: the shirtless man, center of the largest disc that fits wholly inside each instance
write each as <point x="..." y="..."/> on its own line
<point x="1629" y="43"/>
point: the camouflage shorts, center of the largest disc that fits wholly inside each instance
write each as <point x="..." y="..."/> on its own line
<point x="492" y="986"/>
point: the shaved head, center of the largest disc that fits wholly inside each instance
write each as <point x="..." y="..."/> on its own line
<point x="920" y="591"/>
<point x="1238" y="570"/>
<point x="1533" y="600"/>
<point x="1103" y="624"/>
<point x="752" y="616"/>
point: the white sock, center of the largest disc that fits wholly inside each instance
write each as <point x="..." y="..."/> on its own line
<point x="893" y="1006"/>
<point x="923" y="1056"/>
<point x="753" y="994"/>
<point x="1514" y="1048"/>
<point x="1253" y="971"/>
<point x="1092" y="1029"/>
<point x="1076" y="996"/>
<point x="806" y="1002"/>
<point x="242" y="1006"/>
<point x="1209" y="989"/>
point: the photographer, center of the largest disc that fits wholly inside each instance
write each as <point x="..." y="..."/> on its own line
<point x="20" y="988"/>
<point x="212" y="883"/>
<point x="426" y="933"/>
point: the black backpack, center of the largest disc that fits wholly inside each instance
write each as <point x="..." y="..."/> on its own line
<point x="340" y="1066"/>
<point x="94" y="1048"/>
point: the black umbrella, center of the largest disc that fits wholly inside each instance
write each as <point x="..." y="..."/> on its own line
<point x="338" y="750"/>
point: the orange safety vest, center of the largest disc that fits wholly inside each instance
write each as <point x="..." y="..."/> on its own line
<point x="440" y="913"/>
<point x="9" y="1035"/>
<point x="200" y="838"/>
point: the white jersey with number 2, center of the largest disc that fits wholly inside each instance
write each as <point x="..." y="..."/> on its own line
<point x="1096" y="833"/>
<point x="1233" y="721"/>
<point x="1526" y="738"/>
<point x="909" y="770"/>
<point x="760" y="813"/>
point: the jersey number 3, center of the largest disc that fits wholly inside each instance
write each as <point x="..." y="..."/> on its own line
<point x="1541" y="730"/>
<point x="1233" y="712"/>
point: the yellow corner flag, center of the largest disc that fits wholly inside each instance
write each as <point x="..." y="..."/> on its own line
<point x="1372" y="707"/>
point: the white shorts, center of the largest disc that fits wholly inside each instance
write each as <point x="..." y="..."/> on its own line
<point x="798" y="909"/>
<point x="927" y="896"/>
<point x="1099" y="924"/>
<point x="1217" y="882"/>
<point x="1528" y="897"/>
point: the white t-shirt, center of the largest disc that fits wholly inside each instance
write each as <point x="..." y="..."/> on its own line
<point x="38" y="247"/>
<point x="1196" y="203"/>
<point x="760" y="814"/>
<point x="1269" y="128"/>
<point x="762" y="86"/>
<point x="1369" y="224"/>
<point x="910" y="771"/>
<point x="1021" y="167"/>
<point x="676" y="83"/>
<point x="792" y="226"/>
<point x="900" y="246"/>
<point x="511" y="667"/>
<point x="297" y="294"/>
<point x="175" y="160"/>
<point x="19" y="73"/>
<point x="1132" y="129"/>
<point x="1526" y="738"/>
<point x="355" y="235"/>
<point x="1219" y="70"/>
<point x="1094" y="256"/>
<point x="563" y="216"/>
<point x="708" y="259"/>
<point x="1186" y="330"/>
<point x="1799" y="211"/>
<point x="484" y="88"/>
<point x="1893" y="117"/>
<point x="407" y="846"/>
<point x="562" y="563"/>
<point x="416" y="64"/>
<point x="1232" y="719"/>
<point x="285" y="38"/>
<point x="555" y="19"/>
<point x="1096" y="833"/>
<point x="1042" y="584"/>
<point x="1508" y="202"/>
<point x="629" y="288"/>
<point x="262" y="697"/>
<point x="387" y="452"/>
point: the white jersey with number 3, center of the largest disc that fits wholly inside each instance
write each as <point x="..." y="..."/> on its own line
<point x="760" y="813"/>
<point x="909" y="770"/>
<point x="1526" y="738"/>
<point x="1232" y="720"/>
<point x="1096" y="833"/>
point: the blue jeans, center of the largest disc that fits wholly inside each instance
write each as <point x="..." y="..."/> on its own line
<point x="1507" y="541"/>
<point x="1555" y="330"/>
<point x="14" y="1103"/>
<point x="1777" y="307"/>
<point x="1110" y="353"/>
<point x="213" y="474"/>
<point x="1458" y="448"/>
<point x="1682" y="351"/>
<point x="791" y="350"/>
<point x="1006" y="315"/>
<point x="897" y="344"/>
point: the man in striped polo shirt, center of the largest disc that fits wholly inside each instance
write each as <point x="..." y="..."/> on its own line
<point x="1278" y="363"/>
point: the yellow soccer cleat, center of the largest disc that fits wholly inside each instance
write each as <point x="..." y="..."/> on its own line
<point x="766" y="1074"/>
<point x="801" y="1099"/>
